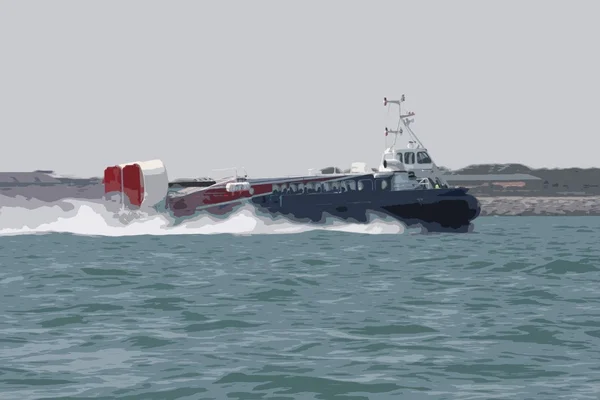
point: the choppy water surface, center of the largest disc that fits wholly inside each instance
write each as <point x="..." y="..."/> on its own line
<point x="511" y="311"/>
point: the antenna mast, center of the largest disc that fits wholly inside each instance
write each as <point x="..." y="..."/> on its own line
<point x="403" y="119"/>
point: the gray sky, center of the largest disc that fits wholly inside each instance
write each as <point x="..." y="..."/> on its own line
<point x="279" y="87"/>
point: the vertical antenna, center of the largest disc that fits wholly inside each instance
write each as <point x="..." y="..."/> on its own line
<point x="400" y="106"/>
<point x="402" y="98"/>
<point x="386" y="129"/>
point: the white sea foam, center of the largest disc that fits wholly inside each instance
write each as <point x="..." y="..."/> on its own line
<point x="93" y="218"/>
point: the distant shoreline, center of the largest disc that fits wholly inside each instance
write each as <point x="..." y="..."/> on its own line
<point x="502" y="189"/>
<point x="491" y="204"/>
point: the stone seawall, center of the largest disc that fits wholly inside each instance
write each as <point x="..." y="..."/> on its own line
<point x="563" y="205"/>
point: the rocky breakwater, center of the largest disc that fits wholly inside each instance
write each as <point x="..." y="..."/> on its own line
<point x="526" y="205"/>
<point x="515" y="189"/>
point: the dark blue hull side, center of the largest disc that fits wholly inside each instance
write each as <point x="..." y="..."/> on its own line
<point x="434" y="209"/>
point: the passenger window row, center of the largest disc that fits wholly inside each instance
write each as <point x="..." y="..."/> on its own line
<point x="317" y="187"/>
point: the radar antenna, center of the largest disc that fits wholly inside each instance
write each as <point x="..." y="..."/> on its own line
<point x="403" y="119"/>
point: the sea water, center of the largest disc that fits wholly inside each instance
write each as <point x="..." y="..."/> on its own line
<point x="249" y="308"/>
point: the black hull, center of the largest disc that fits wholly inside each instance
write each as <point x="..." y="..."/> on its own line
<point x="433" y="209"/>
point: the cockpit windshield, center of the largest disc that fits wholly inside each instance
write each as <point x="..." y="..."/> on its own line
<point x="423" y="158"/>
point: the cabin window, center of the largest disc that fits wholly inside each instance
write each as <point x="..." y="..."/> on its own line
<point x="343" y="186"/>
<point x="276" y="188"/>
<point x="351" y="185"/>
<point x="293" y="187"/>
<point x="423" y="158"/>
<point x="384" y="184"/>
<point x="301" y="187"/>
<point x="336" y="186"/>
<point x="399" y="157"/>
<point x="365" y="184"/>
<point x="409" y="157"/>
<point x="326" y="186"/>
<point x="318" y="187"/>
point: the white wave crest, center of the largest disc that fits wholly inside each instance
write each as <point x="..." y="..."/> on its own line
<point x="94" y="219"/>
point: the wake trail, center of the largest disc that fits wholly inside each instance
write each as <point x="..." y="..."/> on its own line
<point x="82" y="217"/>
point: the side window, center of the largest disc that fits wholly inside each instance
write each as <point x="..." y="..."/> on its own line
<point x="384" y="184"/>
<point x="399" y="157"/>
<point x="423" y="158"/>
<point x="409" y="157"/>
<point x="365" y="184"/>
<point x="351" y="185"/>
